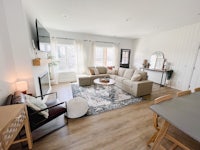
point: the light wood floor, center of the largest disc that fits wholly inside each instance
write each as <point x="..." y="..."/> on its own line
<point x="127" y="128"/>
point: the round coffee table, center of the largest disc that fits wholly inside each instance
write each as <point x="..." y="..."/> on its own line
<point x="98" y="81"/>
<point x="108" y="85"/>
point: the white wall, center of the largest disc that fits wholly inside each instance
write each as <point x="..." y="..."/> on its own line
<point x="16" y="51"/>
<point x="179" y="47"/>
<point x="30" y="18"/>
<point x="7" y="67"/>
<point x="123" y="43"/>
<point x="19" y="39"/>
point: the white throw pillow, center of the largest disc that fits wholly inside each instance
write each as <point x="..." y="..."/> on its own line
<point x="113" y="71"/>
<point x="96" y="71"/>
<point x="136" y="77"/>
<point x="36" y="104"/>
<point x="142" y="73"/>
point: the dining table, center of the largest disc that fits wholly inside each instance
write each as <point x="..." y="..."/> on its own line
<point x="183" y="113"/>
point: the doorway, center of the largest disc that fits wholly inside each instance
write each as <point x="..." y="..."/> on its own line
<point x="195" y="80"/>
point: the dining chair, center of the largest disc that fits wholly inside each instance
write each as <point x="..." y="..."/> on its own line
<point x="183" y="93"/>
<point x="197" y="89"/>
<point x="156" y="118"/>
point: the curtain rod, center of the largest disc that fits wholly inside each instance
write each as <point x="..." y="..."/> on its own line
<point x="85" y="40"/>
<point x="63" y="38"/>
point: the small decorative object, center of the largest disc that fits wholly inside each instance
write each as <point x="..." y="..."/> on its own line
<point x="52" y="62"/>
<point x="145" y="63"/>
<point x="169" y="74"/>
<point x="105" y="80"/>
<point x="36" y="62"/>
<point x="166" y="65"/>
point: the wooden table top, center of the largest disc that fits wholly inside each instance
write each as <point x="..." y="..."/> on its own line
<point x="8" y="113"/>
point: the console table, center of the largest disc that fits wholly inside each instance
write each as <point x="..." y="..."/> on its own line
<point x="156" y="75"/>
<point x="12" y="119"/>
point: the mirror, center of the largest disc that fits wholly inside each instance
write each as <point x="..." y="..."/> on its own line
<point x="125" y="58"/>
<point x="157" y="60"/>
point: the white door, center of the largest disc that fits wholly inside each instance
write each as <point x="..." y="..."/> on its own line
<point x="195" y="79"/>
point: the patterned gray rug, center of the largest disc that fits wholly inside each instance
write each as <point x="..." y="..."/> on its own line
<point x="103" y="98"/>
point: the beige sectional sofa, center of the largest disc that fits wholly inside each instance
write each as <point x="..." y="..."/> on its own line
<point x="130" y="80"/>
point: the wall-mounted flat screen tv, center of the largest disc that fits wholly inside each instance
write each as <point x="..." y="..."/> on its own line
<point x="43" y="38"/>
<point x="44" y="84"/>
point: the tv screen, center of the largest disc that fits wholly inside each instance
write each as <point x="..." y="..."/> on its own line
<point x="44" y="84"/>
<point x="43" y="37"/>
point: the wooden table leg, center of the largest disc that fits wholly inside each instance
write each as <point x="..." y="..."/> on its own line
<point x="28" y="132"/>
<point x="161" y="135"/>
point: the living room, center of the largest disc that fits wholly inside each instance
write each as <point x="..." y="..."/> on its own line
<point x="141" y="27"/>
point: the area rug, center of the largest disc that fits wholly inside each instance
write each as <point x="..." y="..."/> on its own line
<point x="103" y="98"/>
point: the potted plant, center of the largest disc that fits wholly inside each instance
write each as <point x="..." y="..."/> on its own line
<point x="52" y="62"/>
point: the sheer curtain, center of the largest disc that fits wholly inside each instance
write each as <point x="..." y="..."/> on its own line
<point x="81" y="57"/>
<point x="106" y="54"/>
<point x="77" y="55"/>
<point x="117" y="55"/>
<point x="73" y="55"/>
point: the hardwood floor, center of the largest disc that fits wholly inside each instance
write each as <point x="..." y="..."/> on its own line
<point x="127" y="128"/>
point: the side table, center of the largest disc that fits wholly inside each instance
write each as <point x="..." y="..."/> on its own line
<point x="12" y="119"/>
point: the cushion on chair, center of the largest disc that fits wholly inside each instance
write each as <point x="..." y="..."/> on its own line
<point x="36" y="104"/>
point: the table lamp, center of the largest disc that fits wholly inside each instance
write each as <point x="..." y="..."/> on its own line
<point x="22" y="86"/>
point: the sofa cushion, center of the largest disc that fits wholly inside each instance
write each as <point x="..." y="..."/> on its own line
<point x="136" y="77"/>
<point x="127" y="82"/>
<point x="143" y="74"/>
<point x="96" y="71"/>
<point x="121" y="71"/>
<point x="119" y="79"/>
<point x="18" y="98"/>
<point x="9" y="100"/>
<point x="111" y="71"/>
<point x="128" y="73"/>
<point x="112" y="76"/>
<point x="102" y="70"/>
<point x="91" y="70"/>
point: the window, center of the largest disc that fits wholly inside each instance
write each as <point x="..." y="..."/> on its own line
<point x="45" y="46"/>
<point x="104" y="56"/>
<point x="67" y="57"/>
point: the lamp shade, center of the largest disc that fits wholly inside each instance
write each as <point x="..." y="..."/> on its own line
<point x="21" y="86"/>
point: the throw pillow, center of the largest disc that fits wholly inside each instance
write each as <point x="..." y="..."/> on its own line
<point x="110" y="67"/>
<point x="96" y="71"/>
<point x="143" y="74"/>
<point x="136" y="77"/>
<point x="91" y="71"/>
<point x="36" y="104"/>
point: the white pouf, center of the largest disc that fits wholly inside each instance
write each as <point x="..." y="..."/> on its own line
<point x="77" y="107"/>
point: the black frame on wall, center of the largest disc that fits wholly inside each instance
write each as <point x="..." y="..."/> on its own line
<point x="125" y="58"/>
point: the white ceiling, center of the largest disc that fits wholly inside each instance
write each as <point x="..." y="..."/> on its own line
<point x="118" y="18"/>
